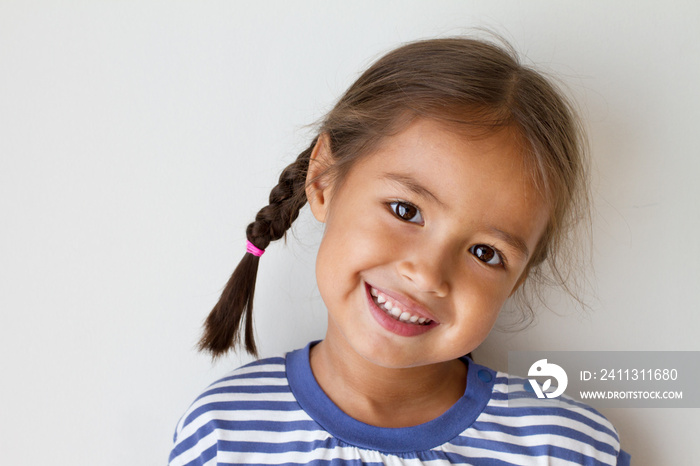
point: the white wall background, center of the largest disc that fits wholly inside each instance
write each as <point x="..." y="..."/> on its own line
<point x="138" y="139"/>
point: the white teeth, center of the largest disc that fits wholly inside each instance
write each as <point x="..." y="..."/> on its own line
<point x="395" y="310"/>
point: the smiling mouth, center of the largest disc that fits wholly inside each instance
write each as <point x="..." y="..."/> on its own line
<point x="394" y="310"/>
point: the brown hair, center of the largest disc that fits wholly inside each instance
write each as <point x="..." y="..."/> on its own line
<point x="460" y="81"/>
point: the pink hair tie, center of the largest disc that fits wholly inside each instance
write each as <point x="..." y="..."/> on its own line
<point x="253" y="249"/>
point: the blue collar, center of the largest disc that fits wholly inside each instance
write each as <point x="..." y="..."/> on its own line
<point x="422" y="437"/>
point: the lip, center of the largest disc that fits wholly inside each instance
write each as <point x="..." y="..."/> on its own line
<point x="397" y="327"/>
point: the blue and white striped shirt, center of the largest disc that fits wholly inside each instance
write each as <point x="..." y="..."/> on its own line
<point x="273" y="412"/>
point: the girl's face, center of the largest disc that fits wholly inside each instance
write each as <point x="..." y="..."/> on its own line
<point x="424" y="241"/>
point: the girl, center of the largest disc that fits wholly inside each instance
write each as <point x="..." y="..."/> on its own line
<point x="445" y="176"/>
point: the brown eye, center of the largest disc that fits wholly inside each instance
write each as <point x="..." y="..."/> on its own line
<point x="407" y="212"/>
<point x="486" y="254"/>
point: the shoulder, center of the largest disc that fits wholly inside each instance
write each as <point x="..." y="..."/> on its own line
<point x="563" y="427"/>
<point x="262" y="382"/>
<point x="241" y="402"/>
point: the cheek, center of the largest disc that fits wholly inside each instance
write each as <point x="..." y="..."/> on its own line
<point x="326" y="274"/>
<point x="336" y="259"/>
<point x="480" y="300"/>
<point x="348" y="250"/>
<point x="484" y="288"/>
<point x="480" y="323"/>
<point x="474" y="329"/>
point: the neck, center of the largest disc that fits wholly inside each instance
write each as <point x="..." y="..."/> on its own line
<point x="386" y="397"/>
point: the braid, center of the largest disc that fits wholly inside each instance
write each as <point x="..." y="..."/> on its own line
<point x="222" y="328"/>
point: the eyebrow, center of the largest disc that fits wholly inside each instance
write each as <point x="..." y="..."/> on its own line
<point x="412" y="185"/>
<point x="514" y="241"/>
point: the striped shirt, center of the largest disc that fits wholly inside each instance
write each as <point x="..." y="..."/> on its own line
<point x="273" y="412"/>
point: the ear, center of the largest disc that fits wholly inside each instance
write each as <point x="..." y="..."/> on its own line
<point x="319" y="188"/>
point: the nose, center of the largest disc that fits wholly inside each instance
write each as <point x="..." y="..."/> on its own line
<point x="427" y="270"/>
